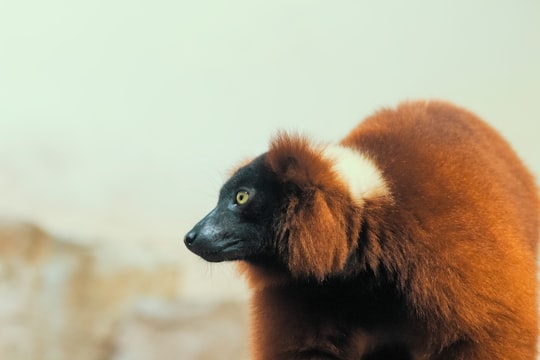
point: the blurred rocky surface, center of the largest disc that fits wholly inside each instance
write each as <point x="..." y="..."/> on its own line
<point x="63" y="299"/>
<point x="181" y="330"/>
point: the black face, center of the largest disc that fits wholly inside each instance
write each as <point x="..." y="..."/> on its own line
<point x="240" y="226"/>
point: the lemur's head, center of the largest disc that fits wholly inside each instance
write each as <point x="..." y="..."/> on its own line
<point x="240" y="226"/>
<point x="298" y="205"/>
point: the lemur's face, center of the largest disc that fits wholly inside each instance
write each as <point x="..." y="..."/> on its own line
<point x="240" y="226"/>
<point x="296" y="207"/>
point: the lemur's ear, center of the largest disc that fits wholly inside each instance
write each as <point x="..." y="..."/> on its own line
<point x="293" y="158"/>
<point x="314" y="225"/>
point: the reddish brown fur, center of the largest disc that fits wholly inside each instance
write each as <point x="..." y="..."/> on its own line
<point x="326" y="215"/>
<point x="445" y="266"/>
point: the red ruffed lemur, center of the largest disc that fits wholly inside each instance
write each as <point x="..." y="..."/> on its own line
<point x="415" y="238"/>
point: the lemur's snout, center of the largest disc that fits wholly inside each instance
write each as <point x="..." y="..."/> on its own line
<point x="190" y="238"/>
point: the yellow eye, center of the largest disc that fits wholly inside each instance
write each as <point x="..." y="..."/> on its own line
<point x="242" y="197"/>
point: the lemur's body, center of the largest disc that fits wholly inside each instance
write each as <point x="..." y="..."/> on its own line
<point x="414" y="238"/>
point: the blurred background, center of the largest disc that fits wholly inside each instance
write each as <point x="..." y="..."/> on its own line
<point x="119" y="121"/>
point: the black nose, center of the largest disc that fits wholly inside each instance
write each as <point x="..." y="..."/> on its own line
<point x="190" y="238"/>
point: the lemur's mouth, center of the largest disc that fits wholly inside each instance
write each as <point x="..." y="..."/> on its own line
<point x="227" y="251"/>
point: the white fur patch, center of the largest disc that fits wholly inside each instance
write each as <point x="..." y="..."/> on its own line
<point x="358" y="172"/>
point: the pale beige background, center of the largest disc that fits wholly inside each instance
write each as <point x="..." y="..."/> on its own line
<point x="124" y="116"/>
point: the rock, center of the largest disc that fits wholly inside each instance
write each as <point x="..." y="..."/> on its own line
<point x="156" y="329"/>
<point x="63" y="299"/>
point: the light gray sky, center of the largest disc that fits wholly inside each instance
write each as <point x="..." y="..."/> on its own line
<point x="120" y="119"/>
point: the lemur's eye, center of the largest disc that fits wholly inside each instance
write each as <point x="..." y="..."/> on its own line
<point x="242" y="197"/>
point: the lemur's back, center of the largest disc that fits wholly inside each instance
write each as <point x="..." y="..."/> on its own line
<point x="438" y="157"/>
